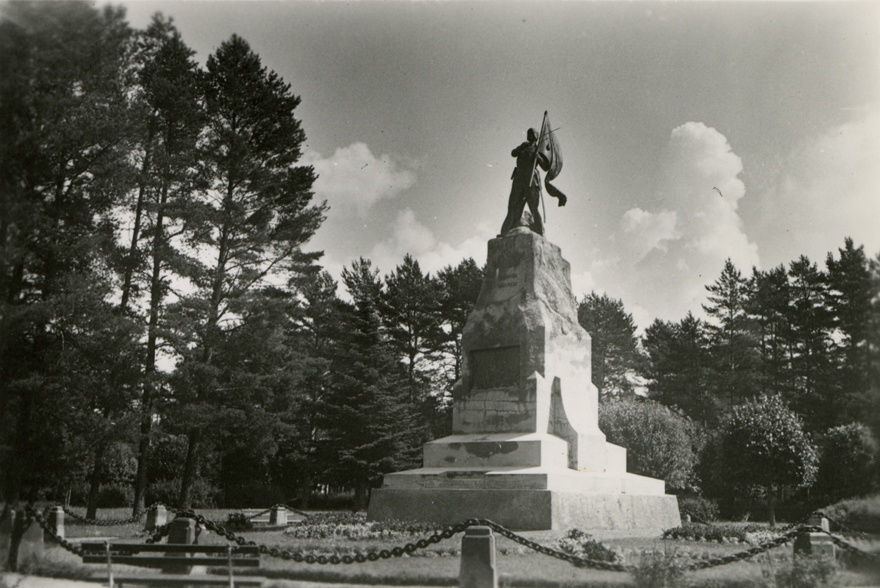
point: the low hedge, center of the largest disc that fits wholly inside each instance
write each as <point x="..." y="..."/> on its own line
<point x="856" y="514"/>
<point x="720" y="533"/>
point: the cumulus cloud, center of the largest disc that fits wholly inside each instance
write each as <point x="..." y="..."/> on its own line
<point x="649" y="230"/>
<point x="668" y="255"/>
<point x="408" y="235"/>
<point x="830" y="190"/>
<point x="353" y="179"/>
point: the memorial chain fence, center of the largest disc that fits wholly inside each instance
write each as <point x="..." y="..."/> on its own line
<point x="787" y="535"/>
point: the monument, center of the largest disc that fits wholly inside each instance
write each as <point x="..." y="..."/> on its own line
<point x="526" y="450"/>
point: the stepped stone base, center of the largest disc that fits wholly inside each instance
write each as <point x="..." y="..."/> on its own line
<point x="526" y="450"/>
<point x="527" y="510"/>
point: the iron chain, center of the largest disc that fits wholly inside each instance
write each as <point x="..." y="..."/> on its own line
<point x="33" y="513"/>
<point x="447" y="533"/>
<point x="573" y="559"/>
<point x="841" y="526"/>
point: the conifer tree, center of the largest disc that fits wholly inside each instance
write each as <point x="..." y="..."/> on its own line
<point x="849" y="296"/>
<point x="679" y="369"/>
<point x="615" y="352"/>
<point x="370" y="424"/>
<point x="732" y="343"/>
<point x="816" y="396"/>
<point x="164" y="205"/>
<point x="257" y="213"/>
<point x="768" y="309"/>
<point x="63" y="163"/>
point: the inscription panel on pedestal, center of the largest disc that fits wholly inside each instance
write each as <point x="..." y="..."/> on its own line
<point x="495" y="368"/>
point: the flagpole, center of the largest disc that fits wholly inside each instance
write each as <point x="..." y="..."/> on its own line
<point x="534" y="164"/>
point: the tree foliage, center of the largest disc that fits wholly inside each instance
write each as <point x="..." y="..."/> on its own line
<point x="659" y="442"/>
<point x="763" y="449"/>
<point x="615" y="352"/>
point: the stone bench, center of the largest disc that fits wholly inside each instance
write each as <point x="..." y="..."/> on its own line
<point x="175" y="561"/>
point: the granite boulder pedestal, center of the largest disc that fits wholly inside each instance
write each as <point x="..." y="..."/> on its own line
<point x="526" y="450"/>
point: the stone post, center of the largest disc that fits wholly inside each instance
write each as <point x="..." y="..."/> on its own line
<point x="156" y="517"/>
<point x="478" y="568"/>
<point x="815" y="544"/>
<point x="56" y="522"/>
<point x="27" y="541"/>
<point x="278" y="515"/>
<point x="182" y="530"/>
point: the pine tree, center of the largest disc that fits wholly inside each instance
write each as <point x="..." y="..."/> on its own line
<point x="459" y="288"/>
<point x="370" y="424"/>
<point x="732" y="343"/>
<point x="409" y="307"/>
<point x="257" y="215"/>
<point x="615" y="352"/>
<point x="768" y="309"/>
<point x="679" y="367"/>
<point x="164" y="205"/>
<point x="815" y="397"/>
<point x="63" y="163"/>
<point x="849" y="296"/>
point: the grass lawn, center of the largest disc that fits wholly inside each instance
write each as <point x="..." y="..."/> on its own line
<point x="438" y="565"/>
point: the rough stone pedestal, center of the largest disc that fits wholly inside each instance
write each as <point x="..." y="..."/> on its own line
<point x="526" y="449"/>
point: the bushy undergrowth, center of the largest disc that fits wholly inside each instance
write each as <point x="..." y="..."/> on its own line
<point x="659" y="569"/>
<point x="720" y="533"/>
<point x="581" y="544"/>
<point x="802" y="572"/>
<point x="354" y="526"/>
<point x="238" y="521"/>
<point x="703" y="509"/>
<point x="857" y="514"/>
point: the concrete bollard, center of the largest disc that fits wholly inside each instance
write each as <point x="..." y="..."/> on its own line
<point x="687" y="518"/>
<point x="56" y="522"/>
<point x="156" y="517"/>
<point x="278" y="516"/>
<point x="27" y="541"/>
<point x="7" y="524"/>
<point x="182" y="530"/>
<point x="478" y="568"/>
<point x="815" y="544"/>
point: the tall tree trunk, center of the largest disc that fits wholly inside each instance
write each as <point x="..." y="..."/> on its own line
<point x="190" y="469"/>
<point x="18" y="458"/>
<point x="135" y="231"/>
<point x="156" y="297"/>
<point x="95" y="481"/>
<point x="360" y="495"/>
<point x="771" y="508"/>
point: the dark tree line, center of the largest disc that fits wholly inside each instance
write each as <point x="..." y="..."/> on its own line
<point x="164" y="333"/>
<point x="785" y="364"/>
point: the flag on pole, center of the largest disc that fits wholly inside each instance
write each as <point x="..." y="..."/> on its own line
<point x="548" y="144"/>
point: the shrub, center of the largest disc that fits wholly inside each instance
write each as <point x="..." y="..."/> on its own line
<point x="659" y="442"/>
<point x="581" y="544"/>
<point x="761" y="449"/>
<point x="659" y="569"/>
<point x="857" y="514"/>
<point x="251" y="494"/>
<point x="715" y="533"/>
<point x="238" y="521"/>
<point x="847" y="465"/>
<point x="204" y="495"/>
<point x="115" y="495"/>
<point x="802" y="572"/>
<point x="703" y="509"/>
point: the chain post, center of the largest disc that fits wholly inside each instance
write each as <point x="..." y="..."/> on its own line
<point x="478" y="565"/>
<point x="109" y="563"/>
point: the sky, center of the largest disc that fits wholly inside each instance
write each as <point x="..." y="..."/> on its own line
<point x="691" y="132"/>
